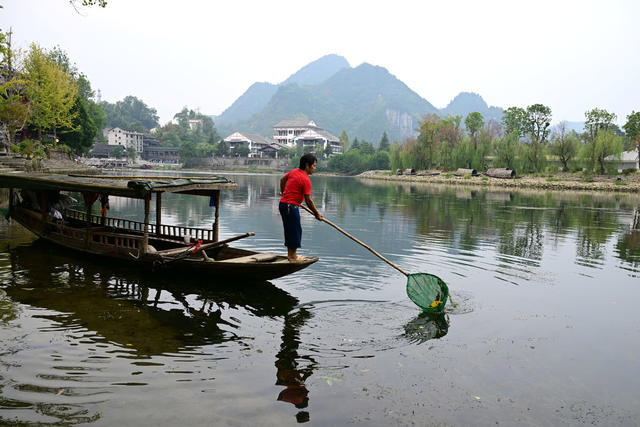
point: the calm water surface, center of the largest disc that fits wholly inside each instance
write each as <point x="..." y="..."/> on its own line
<point x="546" y="330"/>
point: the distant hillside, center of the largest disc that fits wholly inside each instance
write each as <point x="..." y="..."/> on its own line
<point x="259" y="94"/>
<point x="364" y="101"/>
<point x="252" y="101"/>
<point x="468" y="102"/>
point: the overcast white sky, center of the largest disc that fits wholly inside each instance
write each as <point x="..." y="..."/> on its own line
<point x="569" y="55"/>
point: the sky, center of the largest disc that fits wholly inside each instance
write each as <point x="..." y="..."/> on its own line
<point x="203" y="54"/>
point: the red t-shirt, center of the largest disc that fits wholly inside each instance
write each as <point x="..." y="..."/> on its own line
<point x="298" y="185"/>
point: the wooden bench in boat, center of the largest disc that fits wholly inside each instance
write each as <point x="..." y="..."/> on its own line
<point x="253" y="258"/>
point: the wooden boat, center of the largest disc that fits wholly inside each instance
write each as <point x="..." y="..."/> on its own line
<point x="156" y="245"/>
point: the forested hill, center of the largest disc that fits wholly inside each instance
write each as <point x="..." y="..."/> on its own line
<point x="467" y="102"/>
<point x="364" y="101"/>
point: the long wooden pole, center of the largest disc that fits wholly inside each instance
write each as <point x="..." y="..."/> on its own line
<point x="373" y="251"/>
<point x="145" y="240"/>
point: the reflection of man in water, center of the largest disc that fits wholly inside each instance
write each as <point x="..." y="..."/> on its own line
<point x="289" y="374"/>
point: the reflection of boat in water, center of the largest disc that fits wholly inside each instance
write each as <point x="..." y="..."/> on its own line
<point x="159" y="313"/>
<point x="151" y="244"/>
<point x="153" y="313"/>
<point x="427" y="326"/>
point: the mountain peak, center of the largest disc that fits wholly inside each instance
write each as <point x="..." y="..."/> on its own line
<point x="318" y="70"/>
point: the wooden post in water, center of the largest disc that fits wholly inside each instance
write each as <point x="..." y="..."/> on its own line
<point x="217" y="217"/>
<point x="145" y="240"/>
<point x="158" y="213"/>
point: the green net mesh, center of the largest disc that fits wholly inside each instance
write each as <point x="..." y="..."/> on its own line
<point x="429" y="292"/>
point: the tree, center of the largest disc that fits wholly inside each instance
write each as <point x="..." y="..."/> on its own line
<point x="51" y="92"/>
<point x="221" y="148"/>
<point x="606" y="144"/>
<point x="514" y="120"/>
<point x="90" y="117"/>
<point x="355" y="145"/>
<point x="632" y="128"/>
<point x="125" y="113"/>
<point x="539" y="120"/>
<point x="240" y="151"/>
<point x="367" y="148"/>
<point x="474" y="122"/>
<point x="131" y="154"/>
<point x="118" y="152"/>
<point x="396" y="161"/>
<point x="428" y="140"/>
<point x="14" y="110"/>
<point x="565" y="145"/>
<point x="596" y="120"/>
<point x="507" y="149"/>
<point x="384" y="142"/>
<point x="344" y="141"/>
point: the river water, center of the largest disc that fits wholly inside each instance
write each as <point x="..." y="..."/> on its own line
<point x="546" y="328"/>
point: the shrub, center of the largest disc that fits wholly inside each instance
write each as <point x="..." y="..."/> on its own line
<point x="629" y="171"/>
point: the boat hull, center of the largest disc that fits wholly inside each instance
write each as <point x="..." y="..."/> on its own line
<point x="224" y="262"/>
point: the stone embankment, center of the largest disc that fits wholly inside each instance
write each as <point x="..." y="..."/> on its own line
<point x="561" y="181"/>
<point x="57" y="165"/>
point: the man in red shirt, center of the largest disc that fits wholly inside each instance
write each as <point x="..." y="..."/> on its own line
<point x="296" y="187"/>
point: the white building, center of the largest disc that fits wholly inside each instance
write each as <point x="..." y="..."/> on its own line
<point x="628" y="160"/>
<point x="125" y="138"/>
<point x="255" y="143"/>
<point x="285" y="131"/>
<point x="311" y="138"/>
<point x="195" y="124"/>
<point x="306" y="133"/>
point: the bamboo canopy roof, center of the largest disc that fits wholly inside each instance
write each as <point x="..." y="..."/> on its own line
<point x="123" y="186"/>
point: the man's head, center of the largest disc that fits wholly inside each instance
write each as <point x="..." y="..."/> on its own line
<point x="308" y="162"/>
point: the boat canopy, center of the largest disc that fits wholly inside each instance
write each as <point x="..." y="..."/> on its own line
<point x="123" y="186"/>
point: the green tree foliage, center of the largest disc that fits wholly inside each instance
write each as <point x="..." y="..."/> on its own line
<point x="118" y="152"/>
<point x="515" y="120"/>
<point x="539" y="121"/>
<point x="565" y="145"/>
<point x="51" y="92"/>
<point x="384" y="142"/>
<point x="240" y="151"/>
<point x="355" y="145"/>
<point x="607" y="144"/>
<point x="131" y="113"/>
<point x="90" y="118"/>
<point x="506" y="152"/>
<point x="428" y="141"/>
<point x="14" y="110"/>
<point x="632" y="126"/>
<point x="367" y="148"/>
<point x="344" y="141"/>
<point x="131" y="153"/>
<point x="474" y="122"/>
<point x="395" y="160"/>
<point x="596" y="120"/>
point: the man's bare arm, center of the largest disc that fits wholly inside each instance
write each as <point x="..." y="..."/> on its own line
<point x="312" y="206"/>
<point x="283" y="183"/>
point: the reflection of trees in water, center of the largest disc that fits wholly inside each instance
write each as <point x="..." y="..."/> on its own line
<point x="464" y="216"/>
<point x="628" y="246"/>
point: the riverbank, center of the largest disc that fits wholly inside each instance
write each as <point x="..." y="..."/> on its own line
<point x="559" y="181"/>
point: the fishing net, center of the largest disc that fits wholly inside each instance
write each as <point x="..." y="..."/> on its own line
<point x="429" y="292"/>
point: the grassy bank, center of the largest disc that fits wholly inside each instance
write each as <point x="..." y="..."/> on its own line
<point x="560" y="181"/>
